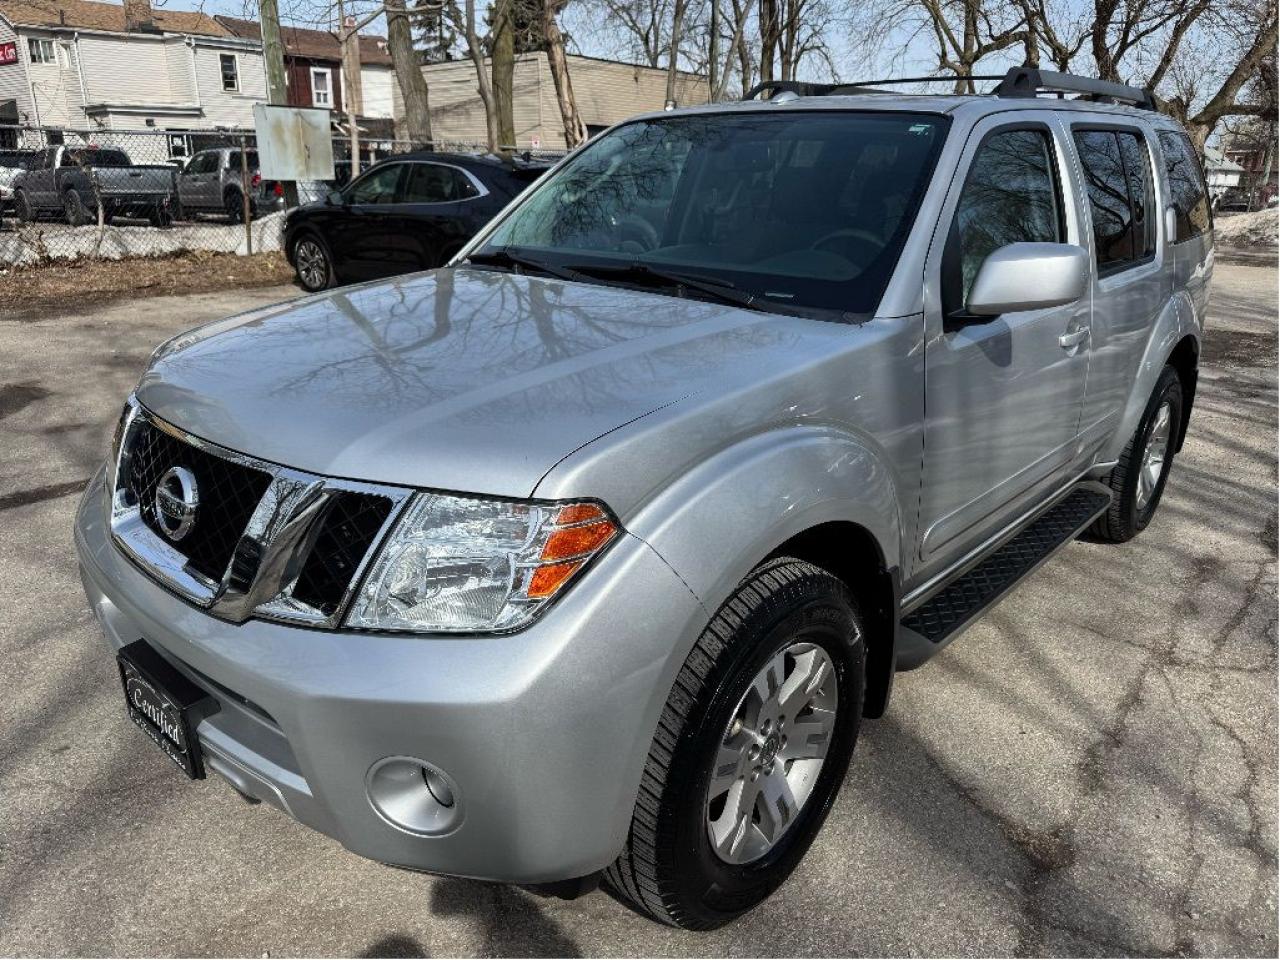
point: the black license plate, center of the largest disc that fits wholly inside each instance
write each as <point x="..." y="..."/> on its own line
<point x="164" y="704"/>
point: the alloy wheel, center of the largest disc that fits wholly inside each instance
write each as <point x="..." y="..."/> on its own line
<point x="313" y="267"/>
<point x="1154" y="455"/>
<point x="771" y="753"/>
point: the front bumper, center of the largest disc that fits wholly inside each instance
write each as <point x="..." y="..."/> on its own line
<point x="544" y="732"/>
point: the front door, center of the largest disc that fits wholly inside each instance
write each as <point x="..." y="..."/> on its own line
<point x="1002" y="394"/>
<point x="360" y="235"/>
<point x="197" y="184"/>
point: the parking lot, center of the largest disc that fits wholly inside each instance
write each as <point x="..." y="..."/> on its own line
<point x="1091" y="770"/>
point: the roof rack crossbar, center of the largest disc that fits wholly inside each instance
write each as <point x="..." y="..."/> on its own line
<point x="1029" y="81"/>
<point x="1018" y="82"/>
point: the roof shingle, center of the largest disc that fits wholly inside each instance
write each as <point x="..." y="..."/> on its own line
<point x="94" y="15"/>
<point x="312" y="44"/>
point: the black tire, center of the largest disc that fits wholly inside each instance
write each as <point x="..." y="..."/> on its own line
<point x="233" y="205"/>
<point x="159" y="216"/>
<point x="300" y="256"/>
<point x="668" y="869"/>
<point x="1125" y="519"/>
<point x="77" y="213"/>
<point x="22" y="207"/>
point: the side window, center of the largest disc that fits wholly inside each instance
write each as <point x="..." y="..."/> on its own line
<point x="430" y="183"/>
<point x="1010" y="196"/>
<point x="1137" y="169"/>
<point x="203" y="163"/>
<point x="377" y="186"/>
<point x="1121" y="197"/>
<point x="1186" y="184"/>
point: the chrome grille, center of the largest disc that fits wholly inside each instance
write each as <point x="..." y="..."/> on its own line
<point x="267" y="541"/>
<point x="229" y="493"/>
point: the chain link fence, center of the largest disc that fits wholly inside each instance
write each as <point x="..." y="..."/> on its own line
<point x="114" y="194"/>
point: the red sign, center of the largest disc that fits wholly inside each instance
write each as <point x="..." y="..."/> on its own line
<point x="8" y="53"/>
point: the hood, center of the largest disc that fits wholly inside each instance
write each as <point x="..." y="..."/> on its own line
<point x="462" y="380"/>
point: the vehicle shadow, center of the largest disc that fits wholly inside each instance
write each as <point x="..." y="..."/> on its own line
<point x="394" y="945"/>
<point x="513" y="923"/>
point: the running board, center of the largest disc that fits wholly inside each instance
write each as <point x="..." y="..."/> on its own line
<point x="945" y="615"/>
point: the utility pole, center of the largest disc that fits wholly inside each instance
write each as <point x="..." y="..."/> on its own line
<point x="350" y="38"/>
<point x="273" y="59"/>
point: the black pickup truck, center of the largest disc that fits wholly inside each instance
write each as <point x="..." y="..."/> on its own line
<point x="75" y="181"/>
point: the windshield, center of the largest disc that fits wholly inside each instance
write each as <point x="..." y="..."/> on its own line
<point x="804" y="211"/>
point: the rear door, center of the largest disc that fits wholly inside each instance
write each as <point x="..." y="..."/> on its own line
<point x="434" y="208"/>
<point x="1002" y="395"/>
<point x="1130" y="285"/>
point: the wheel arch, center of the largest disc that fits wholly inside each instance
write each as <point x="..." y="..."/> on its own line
<point x="850" y="551"/>
<point x="1185" y="359"/>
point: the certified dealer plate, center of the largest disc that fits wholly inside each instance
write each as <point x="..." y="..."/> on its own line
<point x="164" y="704"/>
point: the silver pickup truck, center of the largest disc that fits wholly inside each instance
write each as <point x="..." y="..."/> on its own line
<point x="80" y="182"/>
<point x="586" y="556"/>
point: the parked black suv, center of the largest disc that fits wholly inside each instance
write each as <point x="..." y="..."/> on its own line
<point x="409" y="212"/>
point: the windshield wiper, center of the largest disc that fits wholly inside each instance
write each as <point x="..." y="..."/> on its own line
<point x="638" y="271"/>
<point x="517" y="261"/>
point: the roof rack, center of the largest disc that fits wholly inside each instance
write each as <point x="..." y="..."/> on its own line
<point x="1018" y="82"/>
<point x="1029" y="81"/>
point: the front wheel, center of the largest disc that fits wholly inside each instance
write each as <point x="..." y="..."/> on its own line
<point x="751" y="750"/>
<point x="312" y="264"/>
<point x="22" y="207"/>
<point x="78" y="213"/>
<point x="1137" y="481"/>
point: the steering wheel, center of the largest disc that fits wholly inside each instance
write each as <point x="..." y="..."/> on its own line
<point x="863" y="242"/>
<point x="635" y="229"/>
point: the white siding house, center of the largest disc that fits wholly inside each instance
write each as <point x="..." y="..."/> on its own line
<point x="85" y="65"/>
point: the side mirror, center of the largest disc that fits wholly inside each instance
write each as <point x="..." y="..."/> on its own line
<point x="334" y="198"/>
<point x="1029" y="276"/>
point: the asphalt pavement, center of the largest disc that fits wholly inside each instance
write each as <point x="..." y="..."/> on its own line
<point x="1090" y="770"/>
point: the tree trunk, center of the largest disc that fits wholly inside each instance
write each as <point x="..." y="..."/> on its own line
<point x="575" y="131"/>
<point x="504" y="68"/>
<point x="673" y="56"/>
<point x="769" y="32"/>
<point x="413" y="85"/>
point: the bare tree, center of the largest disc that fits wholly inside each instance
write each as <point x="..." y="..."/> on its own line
<point x="413" y="85"/>
<point x="967" y="31"/>
<point x="502" y="33"/>
<point x="464" y="21"/>
<point x="575" y="130"/>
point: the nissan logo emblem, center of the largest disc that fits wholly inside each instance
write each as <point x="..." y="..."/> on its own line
<point x="177" y="499"/>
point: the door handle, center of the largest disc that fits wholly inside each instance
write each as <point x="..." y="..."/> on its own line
<point x="1069" y="341"/>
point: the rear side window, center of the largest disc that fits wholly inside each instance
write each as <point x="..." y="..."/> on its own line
<point x="1010" y="196"/>
<point x="1121" y="201"/>
<point x="432" y="183"/>
<point x="1186" y="185"/>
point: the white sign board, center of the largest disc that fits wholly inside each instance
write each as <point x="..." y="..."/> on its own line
<point x="294" y="143"/>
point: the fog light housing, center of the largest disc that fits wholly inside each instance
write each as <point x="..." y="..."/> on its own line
<point x="414" y="796"/>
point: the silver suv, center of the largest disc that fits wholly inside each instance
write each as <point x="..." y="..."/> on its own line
<point x="587" y="555"/>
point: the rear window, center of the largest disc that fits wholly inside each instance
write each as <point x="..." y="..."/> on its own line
<point x="1186" y="184"/>
<point x="233" y="160"/>
<point x="95" y="158"/>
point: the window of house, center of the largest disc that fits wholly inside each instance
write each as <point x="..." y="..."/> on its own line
<point x="1186" y="184"/>
<point x="41" y="51"/>
<point x="1010" y="196"/>
<point x="321" y="95"/>
<point x="229" y="66"/>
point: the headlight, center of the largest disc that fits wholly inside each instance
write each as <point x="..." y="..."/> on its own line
<point x="462" y="564"/>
